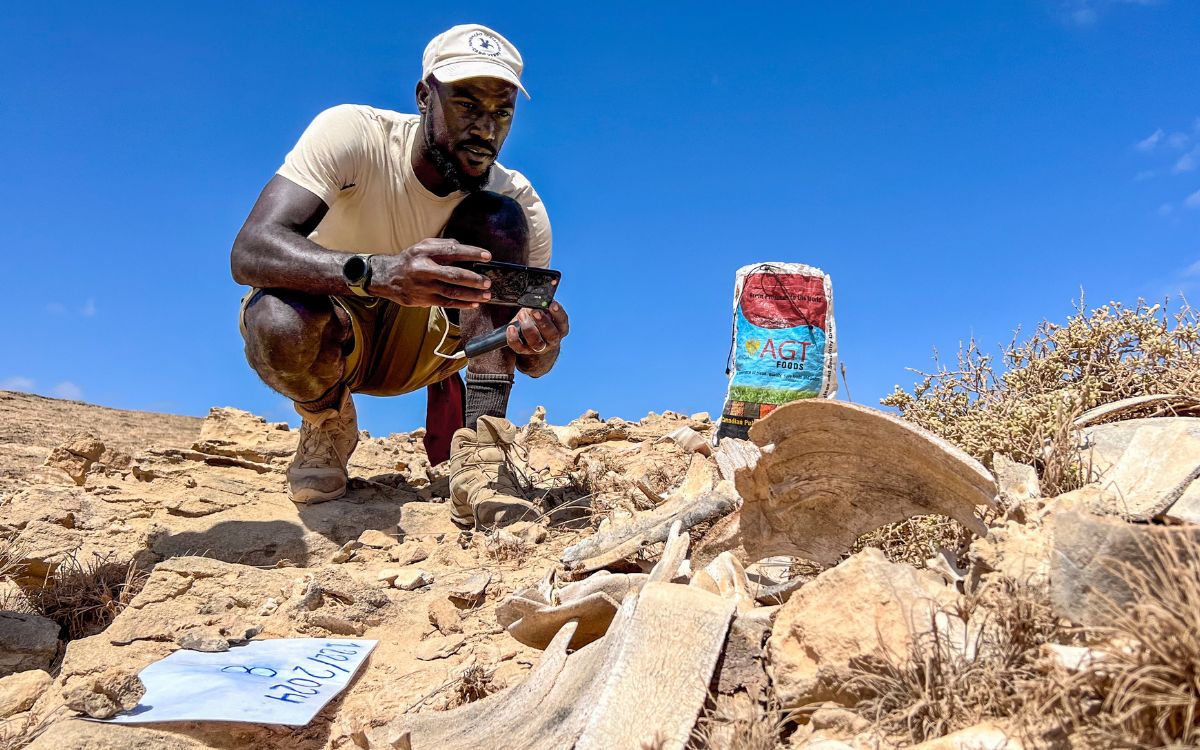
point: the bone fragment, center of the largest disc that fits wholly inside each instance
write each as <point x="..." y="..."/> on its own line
<point x="1164" y="404"/>
<point x="831" y="471"/>
<point x="660" y="679"/>
<point x="649" y="675"/>
<point x="733" y="454"/>
<point x="653" y="526"/>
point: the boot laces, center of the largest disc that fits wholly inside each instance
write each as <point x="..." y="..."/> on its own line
<point x="507" y="462"/>
<point x="318" y="444"/>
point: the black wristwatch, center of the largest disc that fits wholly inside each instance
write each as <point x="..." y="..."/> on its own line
<point x="357" y="271"/>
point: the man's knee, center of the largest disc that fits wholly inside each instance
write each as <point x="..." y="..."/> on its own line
<point x="286" y="331"/>
<point x="494" y="222"/>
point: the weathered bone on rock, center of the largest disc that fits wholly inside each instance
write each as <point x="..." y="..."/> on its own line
<point x="594" y="698"/>
<point x="651" y="527"/>
<point x="831" y="471"/>
<point x="726" y="577"/>
<point x="534" y="615"/>
<point x="733" y="454"/>
<point x="676" y="634"/>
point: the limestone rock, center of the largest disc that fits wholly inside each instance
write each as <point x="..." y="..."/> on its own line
<point x="107" y="694"/>
<point x="407" y="553"/>
<point x="76" y="456"/>
<point x="409" y="579"/>
<point x="19" y="691"/>
<point x="239" y="434"/>
<point x="1144" y="468"/>
<point x="1086" y="582"/>
<point x="1017" y="483"/>
<point x="376" y="539"/>
<point x="865" y="608"/>
<point x="207" y="642"/>
<point x="986" y="736"/>
<point x="1015" y="550"/>
<point x="689" y="440"/>
<point x="1154" y="405"/>
<point x="471" y="592"/>
<point x="26" y="642"/>
<point x="444" y="616"/>
<point x="439" y="647"/>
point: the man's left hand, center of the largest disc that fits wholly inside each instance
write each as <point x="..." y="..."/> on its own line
<point x="538" y="332"/>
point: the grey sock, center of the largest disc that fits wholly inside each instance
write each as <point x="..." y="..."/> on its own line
<point x="487" y="393"/>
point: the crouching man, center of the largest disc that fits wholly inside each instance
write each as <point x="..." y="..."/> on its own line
<point x="350" y="251"/>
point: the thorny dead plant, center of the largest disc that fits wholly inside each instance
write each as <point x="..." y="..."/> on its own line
<point x="505" y="547"/>
<point x="957" y="677"/>
<point x="741" y="722"/>
<point x="473" y="683"/>
<point x="84" y="597"/>
<point x="1144" y="692"/>
<point x="1024" y="403"/>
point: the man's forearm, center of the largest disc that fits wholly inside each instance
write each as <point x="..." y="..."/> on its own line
<point x="537" y="365"/>
<point x="273" y="251"/>
<point x="273" y="257"/>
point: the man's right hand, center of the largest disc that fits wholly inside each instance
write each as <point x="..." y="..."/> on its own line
<point x="422" y="277"/>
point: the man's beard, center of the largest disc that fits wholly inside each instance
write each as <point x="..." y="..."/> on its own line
<point x="448" y="168"/>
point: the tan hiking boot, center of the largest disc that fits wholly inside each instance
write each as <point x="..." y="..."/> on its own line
<point x="327" y="438"/>
<point x="484" y="488"/>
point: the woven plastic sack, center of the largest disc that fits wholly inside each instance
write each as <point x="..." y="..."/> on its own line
<point x="784" y="342"/>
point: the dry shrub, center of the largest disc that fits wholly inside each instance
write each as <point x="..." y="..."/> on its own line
<point x="505" y="547"/>
<point x="20" y="730"/>
<point x="741" y="722"/>
<point x="470" y="684"/>
<point x="1024" y="404"/>
<point x="916" y="539"/>
<point x="474" y="683"/>
<point x="950" y="682"/>
<point x="11" y="567"/>
<point x="1145" y="691"/>
<point x="84" y="597"/>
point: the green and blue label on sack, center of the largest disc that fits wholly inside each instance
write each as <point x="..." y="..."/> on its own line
<point x="784" y="343"/>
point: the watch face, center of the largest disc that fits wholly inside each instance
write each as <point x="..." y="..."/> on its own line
<point x="355" y="269"/>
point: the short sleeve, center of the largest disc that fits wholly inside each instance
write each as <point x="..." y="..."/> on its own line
<point x="516" y="186"/>
<point x="329" y="154"/>
<point x="540" y="236"/>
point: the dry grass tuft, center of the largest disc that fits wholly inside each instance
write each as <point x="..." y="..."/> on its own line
<point x="11" y="567"/>
<point x="1145" y="692"/>
<point x="1024" y="404"/>
<point x="474" y="683"/>
<point x="741" y="722"/>
<point x="950" y="682"/>
<point x="19" y="731"/>
<point x="916" y="539"/>
<point x="84" y="597"/>
<point x="504" y="547"/>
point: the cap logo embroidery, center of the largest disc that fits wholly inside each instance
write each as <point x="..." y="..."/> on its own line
<point x="484" y="44"/>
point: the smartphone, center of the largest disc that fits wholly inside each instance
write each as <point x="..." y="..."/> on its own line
<point x="516" y="285"/>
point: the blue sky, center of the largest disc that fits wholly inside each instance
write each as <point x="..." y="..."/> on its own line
<point x="959" y="168"/>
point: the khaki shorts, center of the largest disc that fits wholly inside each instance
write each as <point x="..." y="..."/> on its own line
<point x="395" y="347"/>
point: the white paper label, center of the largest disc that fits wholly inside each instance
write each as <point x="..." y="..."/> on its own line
<point x="281" y="681"/>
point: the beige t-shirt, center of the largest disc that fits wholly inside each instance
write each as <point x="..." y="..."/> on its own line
<point x="358" y="160"/>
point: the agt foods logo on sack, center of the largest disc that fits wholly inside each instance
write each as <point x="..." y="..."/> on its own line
<point x="785" y="350"/>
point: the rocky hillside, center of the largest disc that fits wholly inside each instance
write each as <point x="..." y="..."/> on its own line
<point x="671" y="595"/>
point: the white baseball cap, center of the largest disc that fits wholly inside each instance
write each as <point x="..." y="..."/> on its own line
<point x="472" y="51"/>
